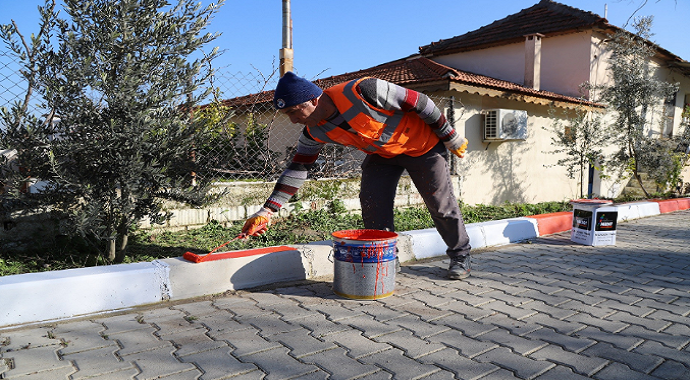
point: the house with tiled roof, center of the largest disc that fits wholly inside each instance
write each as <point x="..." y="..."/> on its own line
<point x="501" y="84"/>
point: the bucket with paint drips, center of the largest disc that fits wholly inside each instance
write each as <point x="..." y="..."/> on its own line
<point x="364" y="265"/>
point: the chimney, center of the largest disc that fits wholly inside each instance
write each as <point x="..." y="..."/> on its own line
<point x="533" y="60"/>
<point x="286" y="53"/>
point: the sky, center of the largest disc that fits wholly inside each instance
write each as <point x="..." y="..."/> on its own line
<point x="332" y="37"/>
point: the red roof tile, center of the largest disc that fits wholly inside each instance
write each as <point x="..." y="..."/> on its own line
<point x="415" y="72"/>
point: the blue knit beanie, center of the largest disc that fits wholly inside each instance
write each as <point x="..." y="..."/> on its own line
<point x="293" y="90"/>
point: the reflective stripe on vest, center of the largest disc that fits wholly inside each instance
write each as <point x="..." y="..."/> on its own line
<point x="375" y="127"/>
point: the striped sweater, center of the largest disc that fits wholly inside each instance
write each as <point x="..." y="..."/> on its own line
<point x="378" y="93"/>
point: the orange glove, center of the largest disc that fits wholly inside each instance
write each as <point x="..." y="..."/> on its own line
<point x="257" y="224"/>
<point x="457" y="145"/>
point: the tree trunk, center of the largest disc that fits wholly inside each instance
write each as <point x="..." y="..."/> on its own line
<point x="111" y="249"/>
<point x="638" y="177"/>
<point x="120" y="256"/>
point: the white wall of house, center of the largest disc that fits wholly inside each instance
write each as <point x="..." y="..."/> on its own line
<point x="514" y="171"/>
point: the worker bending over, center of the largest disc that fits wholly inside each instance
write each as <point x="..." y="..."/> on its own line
<point x="398" y="129"/>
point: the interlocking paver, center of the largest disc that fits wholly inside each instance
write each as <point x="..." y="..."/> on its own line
<point x="59" y="373"/>
<point x="219" y="323"/>
<point x="467" y="346"/>
<point x="356" y="344"/>
<point x="370" y="327"/>
<point x="658" y="349"/>
<point x="320" y="326"/>
<point x="561" y="373"/>
<point x="520" y="345"/>
<point x="245" y="342"/>
<point x="81" y="336"/>
<point x="631" y="319"/>
<point x="239" y="307"/>
<point x="637" y="362"/>
<point x="617" y="371"/>
<point x="563" y="327"/>
<point x="196" y="309"/>
<point x="419" y="327"/>
<point x="670" y="317"/>
<point x="338" y="365"/>
<point x="461" y="366"/>
<point x="24" y="339"/>
<point x="123" y="323"/>
<point x="523" y="367"/>
<point x="514" y="312"/>
<point x="219" y="364"/>
<point x="193" y="341"/>
<point x="673" y="341"/>
<point x="301" y="343"/>
<point x="606" y="325"/>
<point x="413" y="346"/>
<point x="378" y="310"/>
<point x="547" y="308"/>
<point x="135" y="341"/>
<point x="277" y="364"/>
<point x="30" y="360"/>
<point x="402" y="367"/>
<point x="468" y="327"/>
<point x="584" y="365"/>
<point x="100" y="361"/>
<point x="671" y="370"/>
<point x="470" y="312"/>
<point x="159" y="363"/>
<point x="593" y="334"/>
<point x="270" y="324"/>
<point x="128" y="374"/>
<point x="170" y="321"/>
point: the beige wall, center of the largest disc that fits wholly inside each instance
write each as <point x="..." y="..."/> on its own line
<point x="565" y="62"/>
<point x="514" y="171"/>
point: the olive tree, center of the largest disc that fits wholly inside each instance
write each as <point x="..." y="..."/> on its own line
<point x="578" y="137"/>
<point x="636" y="97"/>
<point x="112" y="134"/>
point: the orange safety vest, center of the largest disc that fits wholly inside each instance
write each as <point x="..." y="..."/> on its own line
<point x="384" y="132"/>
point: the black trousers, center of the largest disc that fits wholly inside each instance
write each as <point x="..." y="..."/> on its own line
<point x="431" y="176"/>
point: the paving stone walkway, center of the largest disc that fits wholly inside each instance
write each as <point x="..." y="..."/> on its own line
<point x="547" y="310"/>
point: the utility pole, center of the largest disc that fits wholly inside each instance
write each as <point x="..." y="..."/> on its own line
<point x="286" y="53"/>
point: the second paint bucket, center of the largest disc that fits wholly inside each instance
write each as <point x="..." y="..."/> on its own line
<point x="364" y="265"/>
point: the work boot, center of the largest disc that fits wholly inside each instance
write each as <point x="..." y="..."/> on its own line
<point x="459" y="268"/>
<point x="397" y="265"/>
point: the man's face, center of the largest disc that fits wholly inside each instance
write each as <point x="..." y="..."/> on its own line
<point x="301" y="113"/>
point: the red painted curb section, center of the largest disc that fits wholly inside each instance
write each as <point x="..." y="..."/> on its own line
<point x="553" y="223"/>
<point x="671" y="205"/>
<point x="234" y="254"/>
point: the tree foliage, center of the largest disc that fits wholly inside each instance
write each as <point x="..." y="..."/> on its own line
<point x="113" y="135"/>
<point x="636" y="97"/>
<point x="580" y="139"/>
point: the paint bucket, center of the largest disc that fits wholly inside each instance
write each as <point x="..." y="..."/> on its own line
<point x="364" y="263"/>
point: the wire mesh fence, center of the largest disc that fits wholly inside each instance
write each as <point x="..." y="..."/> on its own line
<point x="257" y="142"/>
<point x="254" y="143"/>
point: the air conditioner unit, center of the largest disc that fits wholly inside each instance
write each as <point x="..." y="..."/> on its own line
<point x="503" y="124"/>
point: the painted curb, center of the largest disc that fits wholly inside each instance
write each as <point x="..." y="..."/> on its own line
<point x="34" y="297"/>
<point x="554" y="222"/>
<point x="56" y="295"/>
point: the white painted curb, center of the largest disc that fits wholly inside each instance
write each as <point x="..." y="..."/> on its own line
<point x="34" y="297"/>
<point x="636" y="210"/>
<point x="38" y="297"/>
